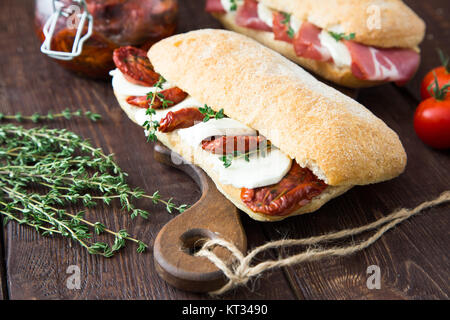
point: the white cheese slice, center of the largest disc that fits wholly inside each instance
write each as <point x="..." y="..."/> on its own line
<point x="124" y="87"/>
<point x="265" y="14"/>
<point x="194" y="135"/>
<point x="228" y="4"/>
<point x="258" y="172"/>
<point x="338" y="50"/>
<point x="296" y="24"/>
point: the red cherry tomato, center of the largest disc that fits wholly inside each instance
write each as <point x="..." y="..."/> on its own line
<point x="443" y="78"/>
<point x="432" y="122"/>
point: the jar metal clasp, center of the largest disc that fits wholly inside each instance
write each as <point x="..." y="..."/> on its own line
<point x="77" y="16"/>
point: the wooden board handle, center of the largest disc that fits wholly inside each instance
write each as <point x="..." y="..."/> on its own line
<point x="212" y="216"/>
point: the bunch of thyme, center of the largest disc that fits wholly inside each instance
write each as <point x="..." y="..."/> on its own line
<point x="42" y="171"/>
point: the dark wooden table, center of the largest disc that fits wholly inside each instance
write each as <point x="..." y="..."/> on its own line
<point x="413" y="258"/>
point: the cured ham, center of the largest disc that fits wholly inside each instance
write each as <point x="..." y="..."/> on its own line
<point x="247" y="16"/>
<point x="214" y="6"/>
<point x="369" y="63"/>
<point x="307" y="43"/>
<point x="280" y="29"/>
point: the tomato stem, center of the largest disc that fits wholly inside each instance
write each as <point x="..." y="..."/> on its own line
<point x="436" y="92"/>
<point x="445" y="60"/>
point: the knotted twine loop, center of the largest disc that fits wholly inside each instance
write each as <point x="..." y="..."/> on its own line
<point x="240" y="271"/>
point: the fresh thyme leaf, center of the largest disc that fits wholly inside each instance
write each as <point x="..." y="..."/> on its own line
<point x="227" y="160"/>
<point x="339" y="36"/>
<point x="36" y="117"/>
<point x="233" y="6"/>
<point x="287" y="18"/>
<point x="287" y="21"/>
<point x="43" y="171"/>
<point x="209" y="113"/>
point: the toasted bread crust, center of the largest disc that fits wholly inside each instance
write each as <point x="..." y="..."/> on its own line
<point x="341" y="141"/>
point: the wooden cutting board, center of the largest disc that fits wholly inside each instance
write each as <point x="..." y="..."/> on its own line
<point x="211" y="217"/>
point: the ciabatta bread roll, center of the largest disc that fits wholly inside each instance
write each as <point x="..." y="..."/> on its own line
<point x="322" y="142"/>
<point x="373" y="41"/>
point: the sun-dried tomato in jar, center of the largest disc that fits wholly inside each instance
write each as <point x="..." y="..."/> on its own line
<point x="117" y="23"/>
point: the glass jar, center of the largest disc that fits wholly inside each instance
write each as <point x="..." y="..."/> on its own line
<point x="116" y="23"/>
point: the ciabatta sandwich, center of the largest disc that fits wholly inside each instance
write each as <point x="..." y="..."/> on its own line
<point x="354" y="43"/>
<point x="275" y="141"/>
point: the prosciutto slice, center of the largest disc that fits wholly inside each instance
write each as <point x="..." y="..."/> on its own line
<point x="369" y="63"/>
<point x="280" y="29"/>
<point x="247" y="16"/>
<point x="214" y="6"/>
<point x="307" y="43"/>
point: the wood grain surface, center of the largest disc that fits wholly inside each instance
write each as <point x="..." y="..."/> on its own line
<point x="413" y="258"/>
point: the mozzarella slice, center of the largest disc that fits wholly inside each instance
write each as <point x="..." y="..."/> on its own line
<point x="338" y="50"/>
<point x="124" y="87"/>
<point x="259" y="171"/>
<point x="194" y="135"/>
<point x="265" y="14"/>
<point x="296" y="24"/>
<point x="227" y="4"/>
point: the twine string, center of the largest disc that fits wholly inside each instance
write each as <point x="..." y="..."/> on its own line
<point x="240" y="270"/>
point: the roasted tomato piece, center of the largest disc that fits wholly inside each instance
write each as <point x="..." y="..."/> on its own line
<point x="175" y="95"/>
<point x="229" y="144"/>
<point x="135" y="66"/>
<point x="183" y="118"/>
<point x="281" y="28"/>
<point x="295" y="190"/>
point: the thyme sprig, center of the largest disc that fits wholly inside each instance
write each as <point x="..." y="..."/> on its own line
<point x="43" y="171"/>
<point x="209" y="113"/>
<point x="227" y="159"/>
<point x="150" y="125"/>
<point x="36" y="117"/>
<point x="339" y="36"/>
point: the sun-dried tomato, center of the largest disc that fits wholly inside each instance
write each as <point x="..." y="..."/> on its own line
<point x="135" y="66"/>
<point x="183" y="118"/>
<point x="294" y="191"/>
<point x="174" y="95"/>
<point x="230" y="144"/>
